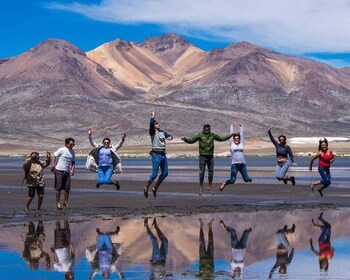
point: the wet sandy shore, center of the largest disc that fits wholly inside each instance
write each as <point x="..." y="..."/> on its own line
<point x="174" y="197"/>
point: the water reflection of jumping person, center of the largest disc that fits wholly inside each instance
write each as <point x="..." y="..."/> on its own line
<point x="326" y="251"/>
<point x="284" y="251"/>
<point x="159" y="159"/>
<point x="282" y="153"/>
<point x="237" y="154"/>
<point x="159" y="253"/>
<point x="238" y="249"/>
<point x="206" y="255"/>
<point x="104" y="256"/>
<point x="206" y="154"/>
<point x="326" y="158"/>
<point x="33" y="246"/>
<point x="107" y="159"/>
<point x="34" y="176"/>
<point x="62" y="253"/>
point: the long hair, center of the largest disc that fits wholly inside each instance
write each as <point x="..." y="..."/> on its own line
<point x="324" y="140"/>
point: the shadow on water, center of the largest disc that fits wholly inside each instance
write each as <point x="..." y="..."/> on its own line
<point x="298" y="244"/>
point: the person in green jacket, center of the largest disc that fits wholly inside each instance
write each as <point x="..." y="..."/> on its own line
<point x="206" y="151"/>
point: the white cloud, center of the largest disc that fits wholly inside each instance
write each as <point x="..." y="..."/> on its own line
<point x="298" y="26"/>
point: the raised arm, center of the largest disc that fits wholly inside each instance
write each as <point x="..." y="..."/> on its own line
<point x="46" y="163"/>
<point x="241" y="132"/>
<point x="231" y="132"/>
<point x="313" y="249"/>
<point x="92" y="142"/>
<point x="271" y="137"/>
<point x="152" y="121"/>
<point x="120" y="143"/>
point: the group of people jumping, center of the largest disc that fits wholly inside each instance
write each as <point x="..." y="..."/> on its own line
<point x="105" y="160"/>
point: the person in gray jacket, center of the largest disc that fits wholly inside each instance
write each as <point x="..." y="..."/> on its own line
<point x="106" y="158"/>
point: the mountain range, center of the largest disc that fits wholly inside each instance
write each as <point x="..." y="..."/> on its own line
<point x="56" y="90"/>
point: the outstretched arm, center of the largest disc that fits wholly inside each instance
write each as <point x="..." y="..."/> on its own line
<point x="222" y="138"/>
<point x="191" y="140"/>
<point x="231" y="132"/>
<point x="312" y="248"/>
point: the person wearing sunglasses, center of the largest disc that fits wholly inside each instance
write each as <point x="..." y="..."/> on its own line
<point x="107" y="159"/>
<point x="63" y="166"/>
<point x="238" y="162"/>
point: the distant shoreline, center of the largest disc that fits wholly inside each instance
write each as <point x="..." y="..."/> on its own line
<point x="253" y="147"/>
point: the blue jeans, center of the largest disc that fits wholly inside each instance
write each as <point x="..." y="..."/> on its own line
<point x="241" y="167"/>
<point x="159" y="253"/>
<point x="104" y="242"/>
<point x="105" y="174"/>
<point x="326" y="176"/>
<point x="158" y="161"/>
<point x="281" y="170"/>
<point x="235" y="243"/>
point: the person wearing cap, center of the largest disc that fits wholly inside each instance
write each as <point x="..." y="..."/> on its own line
<point x="34" y="177"/>
<point x="159" y="159"/>
<point x="206" y="153"/>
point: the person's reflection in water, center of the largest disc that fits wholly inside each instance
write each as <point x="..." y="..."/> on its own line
<point x="206" y="255"/>
<point x="33" y="246"/>
<point x="158" y="253"/>
<point x="62" y="253"/>
<point x="104" y="257"/>
<point x="284" y="251"/>
<point x="238" y="249"/>
<point x="326" y="251"/>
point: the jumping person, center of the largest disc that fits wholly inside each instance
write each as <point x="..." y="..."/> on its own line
<point x="107" y="159"/>
<point x="326" y="251"/>
<point x="34" y="177"/>
<point x="159" y="160"/>
<point x="206" y="154"/>
<point x="237" y="154"/>
<point x="326" y="158"/>
<point x="282" y="153"/>
<point x="238" y="249"/>
<point x="159" y="253"/>
<point x="285" y="252"/>
<point x="63" y="169"/>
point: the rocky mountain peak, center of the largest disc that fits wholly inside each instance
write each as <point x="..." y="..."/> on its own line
<point x="57" y="45"/>
<point x="165" y="42"/>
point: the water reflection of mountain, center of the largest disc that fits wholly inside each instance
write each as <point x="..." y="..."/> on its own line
<point x="183" y="235"/>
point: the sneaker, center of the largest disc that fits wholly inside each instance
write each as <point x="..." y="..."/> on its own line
<point x="116" y="183"/>
<point x="65" y="204"/>
<point x="58" y="205"/>
<point x="145" y="193"/>
<point x="98" y="185"/>
<point x="285" y="181"/>
<point x="292" y="179"/>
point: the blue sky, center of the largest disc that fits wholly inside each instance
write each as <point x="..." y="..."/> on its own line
<point x="317" y="29"/>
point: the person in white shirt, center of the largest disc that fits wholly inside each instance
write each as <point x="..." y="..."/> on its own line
<point x="63" y="165"/>
<point x="238" y="249"/>
<point x="63" y="253"/>
<point x="238" y="162"/>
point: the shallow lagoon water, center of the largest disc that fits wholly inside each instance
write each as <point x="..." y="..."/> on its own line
<point x="183" y="258"/>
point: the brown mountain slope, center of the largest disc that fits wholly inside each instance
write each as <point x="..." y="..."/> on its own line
<point x="54" y="90"/>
